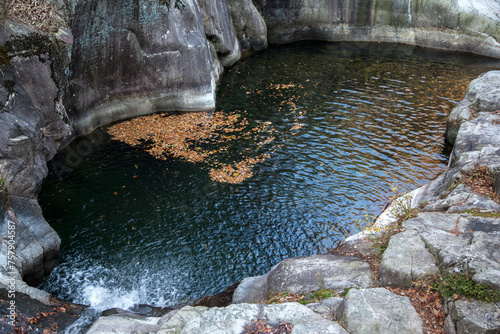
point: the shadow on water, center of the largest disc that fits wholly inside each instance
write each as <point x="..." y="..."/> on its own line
<point x="351" y="121"/>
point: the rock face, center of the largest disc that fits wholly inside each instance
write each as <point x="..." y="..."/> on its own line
<point x="476" y="144"/>
<point x="126" y="60"/>
<point x="482" y="94"/>
<point x="148" y="56"/>
<point x="463" y="25"/>
<point x="32" y="126"/>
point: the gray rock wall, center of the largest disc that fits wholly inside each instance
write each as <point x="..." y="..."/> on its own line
<point x="463" y="25"/>
<point x="147" y="56"/>
<point x="32" y="125"/>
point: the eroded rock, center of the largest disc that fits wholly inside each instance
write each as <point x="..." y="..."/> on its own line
<point x="32" y="126"/>
<point x="251" y="290"/>
<point x="482" y="94"/>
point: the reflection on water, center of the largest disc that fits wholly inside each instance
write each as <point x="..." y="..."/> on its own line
<point x="349" y="123"/>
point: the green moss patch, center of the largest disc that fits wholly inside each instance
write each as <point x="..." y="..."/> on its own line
<point x="458" y="284"/>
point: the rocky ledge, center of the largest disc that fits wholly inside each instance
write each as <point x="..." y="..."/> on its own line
<point x="450" y="226"/>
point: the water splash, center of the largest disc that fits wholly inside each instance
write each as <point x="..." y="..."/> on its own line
<point x="409" y="12"/>
<point x="102" y="287"/>
<point x="101" y="298"/>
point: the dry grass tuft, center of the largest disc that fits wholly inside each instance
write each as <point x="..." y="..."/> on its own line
<point x="36" y="13"/>
<point x="480" y="180"/>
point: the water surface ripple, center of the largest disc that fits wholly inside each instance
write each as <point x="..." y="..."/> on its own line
<point x="139" y="230"/>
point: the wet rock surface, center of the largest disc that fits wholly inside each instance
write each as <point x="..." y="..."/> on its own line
<point x="34" y="316"/>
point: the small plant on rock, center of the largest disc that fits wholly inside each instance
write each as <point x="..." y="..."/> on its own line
<point x="401" y="207"/>
<point x="459" y="284"/>
<point x="4" y="192"/>
<point x="401" y="210"/>
<point x="317" y="296"/>
<point x="304" y="299"/>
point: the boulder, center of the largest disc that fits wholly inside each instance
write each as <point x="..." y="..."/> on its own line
<point x="474" y="317"/>
<point x="475" y="253"/>
<point x="436" y="221"/>
<point x="449" y="326"/>
<point x="405" y="260"/>
<point x="327" y="308"/>
<point x="485" y="261"/>
<point x="251" y="290"/>
<point x="372" y="311"/>
<point x="123" y="324"/>
<point x="305" y="274"/>
<point x="234" y="318"/>
<point x="481" y="95"/>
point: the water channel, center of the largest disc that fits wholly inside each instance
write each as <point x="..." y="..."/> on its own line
<point x="344" y="125"/>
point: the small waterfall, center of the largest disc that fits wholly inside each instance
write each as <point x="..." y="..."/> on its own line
<point x="409" y="13"/>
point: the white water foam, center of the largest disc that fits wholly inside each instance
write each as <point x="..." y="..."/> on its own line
<point x="103" y="288"/>
<point x="101" y="298"/>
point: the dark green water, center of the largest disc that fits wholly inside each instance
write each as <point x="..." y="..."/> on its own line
<point x="139" y="230"/>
